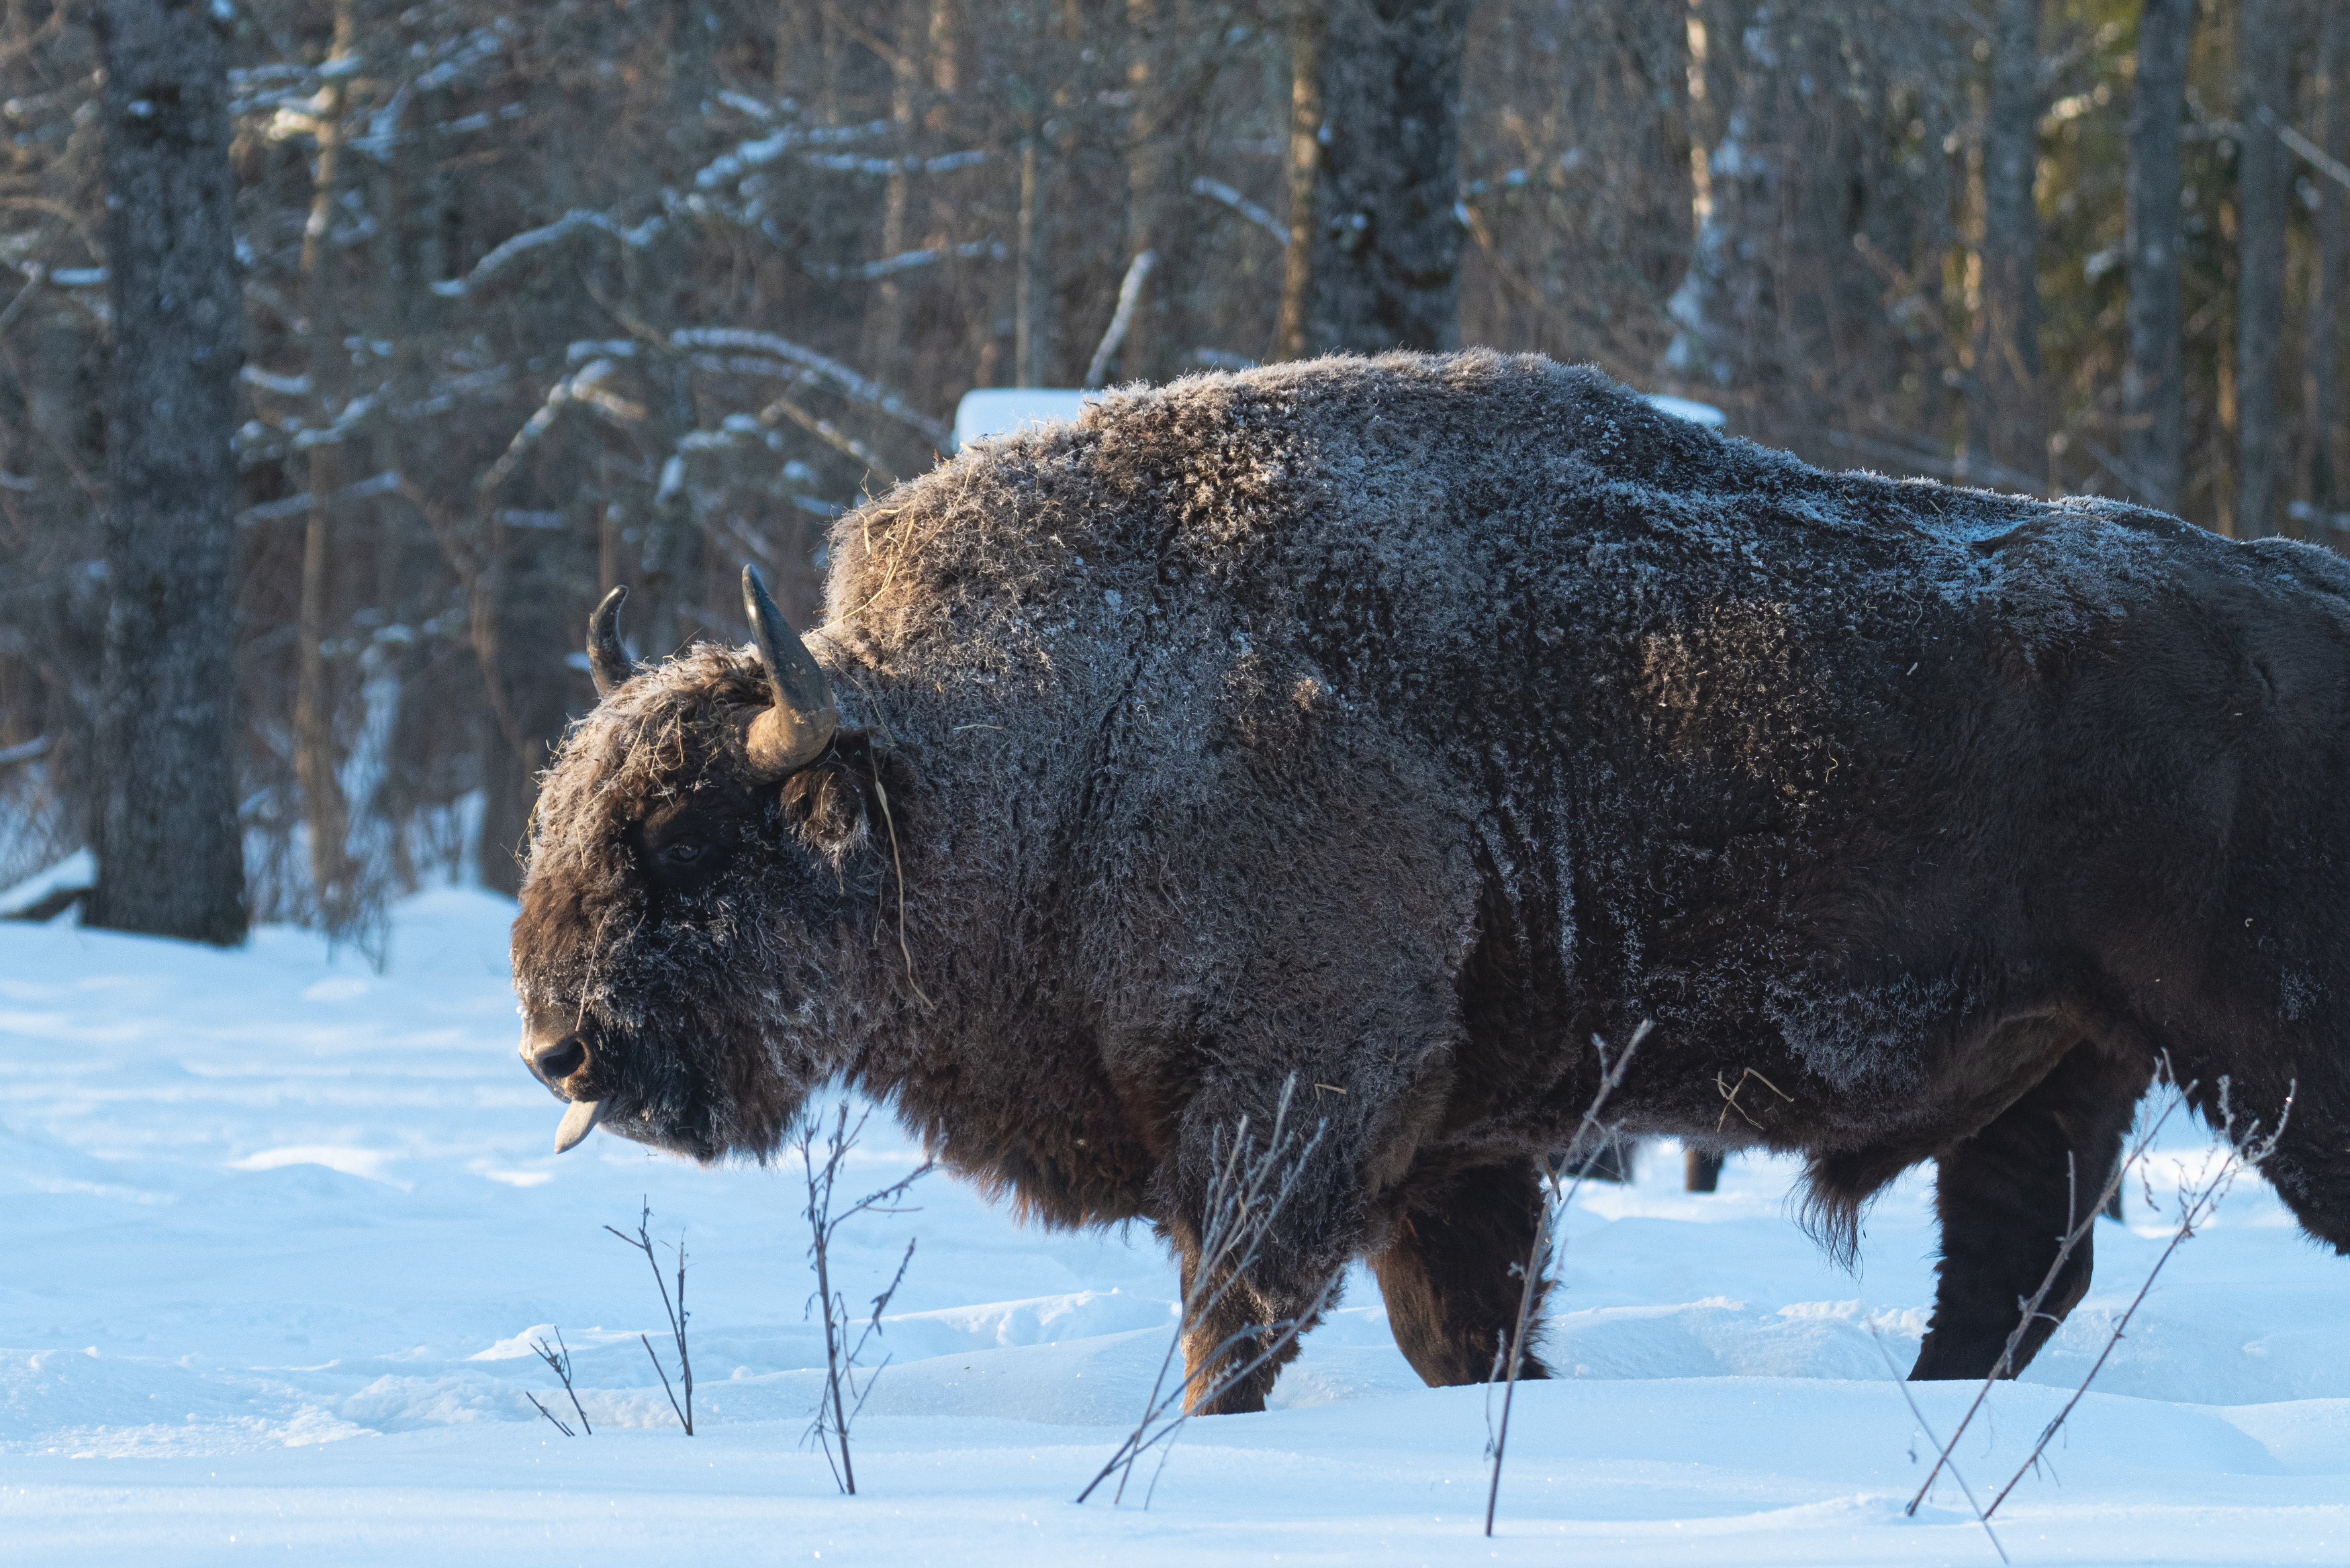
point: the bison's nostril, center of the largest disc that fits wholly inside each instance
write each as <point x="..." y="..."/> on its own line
<point x="562" y="1059"/>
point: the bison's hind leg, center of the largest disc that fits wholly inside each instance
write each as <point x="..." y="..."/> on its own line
<point x="1452" y="1276"/>
<point x="2007" y="1196"/>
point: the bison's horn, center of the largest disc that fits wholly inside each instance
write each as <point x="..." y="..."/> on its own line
<point x="793" y="734"/>
<point x="607" y="661"/>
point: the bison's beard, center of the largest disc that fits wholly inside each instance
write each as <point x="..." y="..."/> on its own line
<point x="707" y="1082"/>
<point x="702" y="1052"/>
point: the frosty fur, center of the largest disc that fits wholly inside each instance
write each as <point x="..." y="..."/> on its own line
<point x="1401" y="724"/>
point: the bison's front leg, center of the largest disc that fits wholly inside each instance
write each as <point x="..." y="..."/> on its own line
<point x="2007" y="1196"/>
<point x="1264" y="1232"/>
<point x="1454" y="1273"/>
<point x="1221" y="1341"/>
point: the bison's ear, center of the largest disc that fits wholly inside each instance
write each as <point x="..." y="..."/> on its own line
<point x="836" y="804"/>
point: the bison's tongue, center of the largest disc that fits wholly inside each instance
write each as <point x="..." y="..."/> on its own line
<point x="578" y="1123"/>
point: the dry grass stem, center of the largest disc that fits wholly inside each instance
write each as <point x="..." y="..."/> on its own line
<point x="898" y="864"/>
<point x="2196" y="1204"/>
<point x="558" y="1361"/>
<point x="1919" y="1416"/>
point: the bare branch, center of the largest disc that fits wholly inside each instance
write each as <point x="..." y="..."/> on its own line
<point x="1247" y="1196"/>
<point x="559" y="1362"/>
<point x="2082" y="1223"/>
<point x="1588" y="1133"/>
<point x="1217" y="191"/>
<point x="1129" y="293"/>
<point x="2196" y="1206"/>
<point x="845" y="381"/>
<point x="1919" y="1417"/>
<point x="842" y="1400"/>
<point x="643" y="1242"/>
<point x="577" y="221"/>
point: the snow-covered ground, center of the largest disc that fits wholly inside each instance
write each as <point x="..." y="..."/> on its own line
<point x="277" y="1232"/>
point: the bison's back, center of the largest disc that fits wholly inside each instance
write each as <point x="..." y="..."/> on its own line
<point x="1694" y="716"/>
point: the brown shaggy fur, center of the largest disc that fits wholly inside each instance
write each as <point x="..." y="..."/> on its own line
<point x="1401" y="723"/>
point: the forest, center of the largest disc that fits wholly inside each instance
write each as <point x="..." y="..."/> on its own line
<point x="523" y="303"/>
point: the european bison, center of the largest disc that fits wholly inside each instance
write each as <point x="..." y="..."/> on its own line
<point x="1400" y="725"/>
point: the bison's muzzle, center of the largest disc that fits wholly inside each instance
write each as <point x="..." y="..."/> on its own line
<point x="559" y="1063"/>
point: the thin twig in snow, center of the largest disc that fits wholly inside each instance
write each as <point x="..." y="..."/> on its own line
<point x="559" y="1362"/>
<point x="550" y="1415"/>
<point x="643" y="1242"/>
<point x="2080" y="1224"/>
<point x="1247" y="1195"/>
<point x="1579" y="1150"/>
<point x="1919" y="1417"/>
<point x="2196" y="1206"/>
<point x="843" y="1399"/>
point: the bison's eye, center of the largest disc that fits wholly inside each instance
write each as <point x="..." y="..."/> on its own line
<point x="684" y="847"/>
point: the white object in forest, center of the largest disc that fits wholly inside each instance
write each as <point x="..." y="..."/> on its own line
<point x="1001" y="411"/>
<point x="78" y="869"/>
<point x="1697" y="413"/>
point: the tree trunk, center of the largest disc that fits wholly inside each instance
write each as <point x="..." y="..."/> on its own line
<point x="1308" y="32"/>
<point x="507" y="798"/>
<point x="2009" y="422"/>
<point x="885" y="316"/>
<point x="2264" y="186"/>
<point x="169" y="856"/>
<point x="1385" y="235"/>
<point x="315" y="753"/>
<point x="2153" y="418"/>
<point x="2329" y="88"/>
<point x="524" y="630"/>
<point x="1144" y="353"/>
<point x="1030" y="270"/>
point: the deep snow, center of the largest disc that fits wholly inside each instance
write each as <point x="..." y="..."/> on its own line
<point x="277" y="1232"/>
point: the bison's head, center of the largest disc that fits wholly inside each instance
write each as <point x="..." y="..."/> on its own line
<point x="700" y="854"/>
